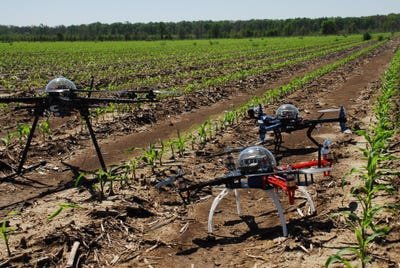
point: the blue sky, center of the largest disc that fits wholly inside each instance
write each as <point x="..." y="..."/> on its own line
<point x="68" y="12"/>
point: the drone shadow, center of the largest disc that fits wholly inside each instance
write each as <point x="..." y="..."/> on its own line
<point x="297" y="226"/>
<point x="25" y="182"/>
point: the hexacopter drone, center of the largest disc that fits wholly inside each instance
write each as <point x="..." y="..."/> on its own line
<point x="61" y="98"/>
<point x="257" y="169"/>
<point x="287" y="119"/>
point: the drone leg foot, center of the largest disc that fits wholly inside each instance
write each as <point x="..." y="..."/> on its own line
<point x="272" y="194"/>
<point x="214" y="206"/>
<point x="237" y="197"/>
<point x="310" y="202"/>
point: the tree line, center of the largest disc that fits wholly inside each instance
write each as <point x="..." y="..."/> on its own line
<point x="201" y="29"/>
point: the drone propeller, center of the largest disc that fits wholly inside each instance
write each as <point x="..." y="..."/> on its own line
<point x="170" y="180"/>
<point x="164" y="92"/>
<point x="314" y="170"/>
<point x="329" y="110"/>
<point x="342" y="118"/>
<point x="272" y="127"/>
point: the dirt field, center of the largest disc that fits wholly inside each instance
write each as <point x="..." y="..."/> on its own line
<point x="143" y="227"/>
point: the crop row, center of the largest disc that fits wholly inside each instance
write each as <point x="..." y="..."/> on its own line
<point x="26" y="65"/>
<point x="375" y="177"/>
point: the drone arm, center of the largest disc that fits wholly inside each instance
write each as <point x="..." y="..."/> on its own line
<point x="27" y="100"/>
<point x="341" y="119"/>
<point x="214" y="182"/>
<point x="264" y="128"/>
<point x="113" y="100"/>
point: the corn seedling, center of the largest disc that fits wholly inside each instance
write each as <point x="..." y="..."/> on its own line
<point x="229" y="118"/>
<point x="105" y="177"/>
<point x="150" y="156"/>
<point x="5" y="232"/>
<point x="132" y="167"/>
<point x="210" y="129"/>
<point x="60" y="208"/>
<point x="161" y="152"/>
<point x="180" y="144"/>
<point x="44" y="128"/>
<point x="7" y="140"/>
<point x="23" y="131"/>
<point x="366" y="224"/>
<point x="202" y="131"/>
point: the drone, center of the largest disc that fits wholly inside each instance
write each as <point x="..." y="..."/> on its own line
<point x="61" y="98"/>
<point x="288" y="119"/>
<point x="257" y="169"/>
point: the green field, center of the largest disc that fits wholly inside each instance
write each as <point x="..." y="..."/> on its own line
<point x="182" y="65"/>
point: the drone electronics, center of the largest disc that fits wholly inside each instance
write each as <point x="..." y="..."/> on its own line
<point x="256" y="168"/>
<point x="288" y="119"/>
<point x="61" y="98"/>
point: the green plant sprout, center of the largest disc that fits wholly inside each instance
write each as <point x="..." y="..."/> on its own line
<point x="44" y="128"/>
<point x="60" y="208"/>
<point x="150" y="156"/>
<point x="180" y="143"/>
<point x="366" y="224"/>
<point x="5" y="232"/>
<point x="202" y="131"/>
<point x="7" y="140"/>
<point x="23" y="131"/>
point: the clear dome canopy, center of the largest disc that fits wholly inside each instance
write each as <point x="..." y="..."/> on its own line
<point x="59" y="85"/>
<point x="287" y="111"/>
<point x="256" y="159"/>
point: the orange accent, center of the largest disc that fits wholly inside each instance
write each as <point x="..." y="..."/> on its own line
<point x="281" y="183"/>
<point x="312" y="163"/>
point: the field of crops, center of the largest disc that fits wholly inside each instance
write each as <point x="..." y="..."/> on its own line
<point x="184" y="65"/>
<point x="208" y="87"/>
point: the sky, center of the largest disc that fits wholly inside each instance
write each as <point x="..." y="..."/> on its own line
<point x="73" y="12"/>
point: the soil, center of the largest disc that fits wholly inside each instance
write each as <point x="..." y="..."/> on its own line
<point x="141" y="226"/>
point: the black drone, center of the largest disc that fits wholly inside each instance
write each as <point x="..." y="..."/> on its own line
<point x="61" y="98"/>
<point x="288" y="119"/>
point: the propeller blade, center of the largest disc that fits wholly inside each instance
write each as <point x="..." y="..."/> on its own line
<point x="314" y="170"/>
<point x="167" y="92"/>
<point x="170" y="180"/>
<point x="329" y="110"/>
<point x="271" y="127"/>
<point x="165" y="182"/>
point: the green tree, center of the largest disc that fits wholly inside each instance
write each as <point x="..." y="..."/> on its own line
<point x="328" y="27"/>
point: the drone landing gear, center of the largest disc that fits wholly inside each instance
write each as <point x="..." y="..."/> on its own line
<point x="309" y="207"/>
<point x="271" y="193"/>
<point x="277" y="140"/>
<point x="85" y="115"/>
<point x="20" y="169"/>
<point x="38" y="112"/>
